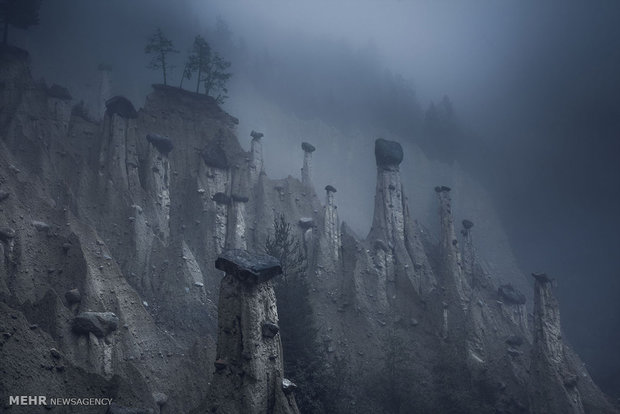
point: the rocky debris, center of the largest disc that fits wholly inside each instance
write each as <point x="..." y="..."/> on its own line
<point x="388" y="153"/>
<point x="59" y="92"/>
<point x="6" y="234"/>
<point x="99" y="323"/>
<point x="73" y="296"/>
<point x="511" y="295"/>
<point x="4" y="195"/>
<point x="121" y="106"/>
<point x="221" y="198"/>
<point x="256" y="135"/>
<point x="215" y="156"/>
<point x="306" y="222"/>
<point x="248" y="365"/>
<point x="244" y="266"/>
<point x="288" y="386"/>
<point x="330" y="188"/>
<point x="55" y="353"/>
<point x="41" y="225"/>
<point x="270" y="329"/>
<point x="307" y="147"/>
<point x="163" y="144"/>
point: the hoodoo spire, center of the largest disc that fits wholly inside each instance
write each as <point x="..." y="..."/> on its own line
<point x="450" y="255"/>
<point x="256" y="157"/>
<point x="332" y="230"/>
<point x="555" y="386"/>
<point x="249" y="374"/>
<point x="306" y="171"/>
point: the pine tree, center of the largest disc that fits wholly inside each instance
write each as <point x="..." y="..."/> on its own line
<point x="160" y="46"/>
<point x="211" y="69"/>
<point x="18" y="13"/>
<point x="216" y="77"/>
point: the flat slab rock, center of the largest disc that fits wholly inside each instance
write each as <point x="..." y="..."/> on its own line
<point x="247" y="266"/>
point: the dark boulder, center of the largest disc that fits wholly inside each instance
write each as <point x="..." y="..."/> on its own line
<point x="514" y="340"/>
<point x="238" y="198"/>
<point x="388" y="152"/>
<point x="442" y="189"/>
<point x="256" y="135"/>
<point x="467" y="224"/>
<point x="163" y="144"/>
<point x="511" y="295"/>
<point x="99" y="323"/>
<point x="330" y="188"/>
<point x="121" y="106"/>
<point x="215" y="157"/>
<point x="306" y="222"/>
<point x="270" y="329"/>
<point x="248" y="267"/>
<point x="221" y="198"/>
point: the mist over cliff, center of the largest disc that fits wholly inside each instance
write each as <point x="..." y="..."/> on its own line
<point x="528" y="137"/>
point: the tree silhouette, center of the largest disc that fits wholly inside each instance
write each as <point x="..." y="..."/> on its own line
<point x="18" y="13"/>
<point x="160" y="46"/>
<point x="211" y="69"/>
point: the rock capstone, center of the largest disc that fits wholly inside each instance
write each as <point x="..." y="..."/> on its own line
<point x="163" y="144"/>
<point x="388" y="153"/>
<point x="99" y="323"/>
<point x="121" y="106"/>
<point x="307" y="147"/>
<point x="244" y="266"/>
